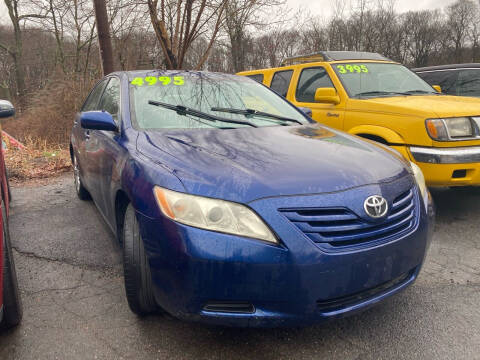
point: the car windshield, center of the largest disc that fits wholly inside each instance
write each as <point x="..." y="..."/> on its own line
<point x="380" y="79"/>
<point x="205" y="93"/>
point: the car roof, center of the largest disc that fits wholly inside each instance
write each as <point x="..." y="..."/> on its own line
<point x="328" y="56"/>
<point x="447" y="67"/>
<point x="159" y="72"/>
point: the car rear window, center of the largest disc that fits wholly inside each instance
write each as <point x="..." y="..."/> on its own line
<point x="256" y="77"/>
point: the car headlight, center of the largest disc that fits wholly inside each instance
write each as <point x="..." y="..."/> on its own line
<point x="212" y="214"/>
<point x="450" y="129"/>
<point x="420" y="179"/>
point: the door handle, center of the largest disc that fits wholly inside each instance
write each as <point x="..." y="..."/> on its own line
<point x="87" y="134"/>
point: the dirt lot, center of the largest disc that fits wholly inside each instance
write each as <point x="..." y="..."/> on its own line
<point x="70" y="275"/>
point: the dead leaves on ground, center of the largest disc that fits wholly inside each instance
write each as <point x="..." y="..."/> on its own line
<point x="37" y="161"/>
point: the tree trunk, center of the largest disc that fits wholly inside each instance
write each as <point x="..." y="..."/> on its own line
<point x="20" y="77"/>
<point x="104" y="38"/>
<point x="237" y="44"/>
<point x="17" y="52"/>
<point x="59" y="41"/>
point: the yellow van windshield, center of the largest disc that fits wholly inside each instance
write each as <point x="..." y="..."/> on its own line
<point x="380" y="79"/>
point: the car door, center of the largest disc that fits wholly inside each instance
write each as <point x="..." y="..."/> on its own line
<point x="104" y="148"/>
<point x="307" y="82"/>
<point x="81" y="136"/>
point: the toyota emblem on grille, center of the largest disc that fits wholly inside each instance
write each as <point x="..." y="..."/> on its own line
<point x="376" y="206"/>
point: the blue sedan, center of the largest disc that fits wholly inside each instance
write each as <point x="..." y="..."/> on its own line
<point x="234" y="208"/>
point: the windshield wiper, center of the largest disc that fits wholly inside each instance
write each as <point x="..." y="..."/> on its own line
<point x="252" y="112"/>
<point x="373" y="93"/>
<point x="405" y="93"/>
<point x="183" y="110"/>
<point x="422" y="92"/>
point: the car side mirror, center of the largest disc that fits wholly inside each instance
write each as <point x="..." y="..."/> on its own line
<point x="438" y="88"/>
<point x="6" y="109"/>
<point x="307" y="111"/>
<point x="327" y="95"/>
<point x="97" y="120"/>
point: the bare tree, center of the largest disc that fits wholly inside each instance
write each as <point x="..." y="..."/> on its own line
<point x="474" y="34"/>
<point x="16" y="51"/>
<point x="314" y="37"/>
<point x="51" y="40"/>
<point x="460" y="20"/>
<point x="421" y="29"/>
<point x="179" y="23"/>
<point x="242" y="15"/>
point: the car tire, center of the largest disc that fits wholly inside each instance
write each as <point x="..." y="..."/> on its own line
<point x="12" y="305"/>
<point x="137" y="276"/>
<point x="81" y="191"/>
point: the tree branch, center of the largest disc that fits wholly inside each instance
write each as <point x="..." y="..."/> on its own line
<point x="26" y="16"/>
<point x="7" y="49"/>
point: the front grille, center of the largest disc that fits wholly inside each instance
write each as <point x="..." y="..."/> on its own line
<point x="339" y="227"/>
<point x="340" y="302"/>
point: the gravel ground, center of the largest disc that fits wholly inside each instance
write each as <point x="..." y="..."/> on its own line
<point x="70" y="275"/>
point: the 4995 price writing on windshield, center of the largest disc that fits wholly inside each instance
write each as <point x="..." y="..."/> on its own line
<point x="160" y="80"/>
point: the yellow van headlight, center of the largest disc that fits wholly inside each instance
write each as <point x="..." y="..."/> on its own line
<point x="450" y="129"/>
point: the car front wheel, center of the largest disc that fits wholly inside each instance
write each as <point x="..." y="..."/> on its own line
<point x="138" y="280"/>
<point x="12" y="306"/>
<point x="81" y="191"/>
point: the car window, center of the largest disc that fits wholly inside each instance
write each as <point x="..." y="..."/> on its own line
<point x="281" y="82"/>
<point x="256" y="77"/>
<point x="92" y="100"/>
<point x="111" y="98"/>
<point x="468" y="82"/>
<point x="310" y="80"/>
<point x="446" y="79"/>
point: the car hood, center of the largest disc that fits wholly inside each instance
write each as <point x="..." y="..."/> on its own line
<point x="427" y="106"/>
<point x="246" y="164"/>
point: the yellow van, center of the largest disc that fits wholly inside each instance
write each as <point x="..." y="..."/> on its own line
<point x="371" y="96"/>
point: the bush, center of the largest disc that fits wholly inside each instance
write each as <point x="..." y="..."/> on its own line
<point x="38" y="160"/>
<point x="50" y="112"/>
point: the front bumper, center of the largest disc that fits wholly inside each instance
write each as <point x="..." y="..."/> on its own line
<point x="460" y="155"/>
<point x="448" y="166"/>
<point x="198" y="274"/>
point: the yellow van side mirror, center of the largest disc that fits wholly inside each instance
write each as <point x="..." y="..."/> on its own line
<point x="327" y="95"/>
<point x="438" y="88"/>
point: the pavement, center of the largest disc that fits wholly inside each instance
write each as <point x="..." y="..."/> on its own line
<point x="70" y="276"/>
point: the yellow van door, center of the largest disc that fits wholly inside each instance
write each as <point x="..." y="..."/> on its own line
<point x="308" y="80"/>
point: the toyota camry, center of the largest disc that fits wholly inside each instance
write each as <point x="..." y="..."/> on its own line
<point x="234" y="208"/>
